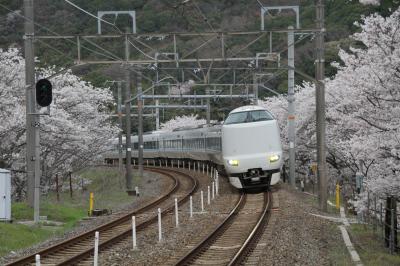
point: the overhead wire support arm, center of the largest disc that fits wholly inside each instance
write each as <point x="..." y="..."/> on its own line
<point x="178" y="34"/>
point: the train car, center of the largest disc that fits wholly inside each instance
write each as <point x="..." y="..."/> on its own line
<point x="246" y="147"/>
<point x="251" y="148"/>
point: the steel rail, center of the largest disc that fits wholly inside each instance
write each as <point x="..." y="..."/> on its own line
<point x="103" y="245"/>
<point x="89" y="234"/>
<point x="188" y="257"/>
<point x="247" y="245"/>
<point x="255" y="233"/>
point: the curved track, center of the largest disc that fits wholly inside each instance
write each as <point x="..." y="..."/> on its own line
<point x="80" y="248"/>
<point x="236" y="236"/>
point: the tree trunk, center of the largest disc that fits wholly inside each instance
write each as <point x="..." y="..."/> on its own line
<point x="57" y="189"/>
<point x="70" y="184"/>
<point x="391" y="204"/>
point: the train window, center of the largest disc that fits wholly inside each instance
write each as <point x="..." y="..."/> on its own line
<point x="260" y="115"/>
<point x="236" y="118"/>
<point x="248" y="117"/>
<point x="150" y="145"/>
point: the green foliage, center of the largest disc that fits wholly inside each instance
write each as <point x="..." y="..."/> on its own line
<point x="107" y="192"/>
<point x="97" y="78"/>
<point x="17" y="236"/>
<point x="55" y="212"/>
<point x="371" y="247"/>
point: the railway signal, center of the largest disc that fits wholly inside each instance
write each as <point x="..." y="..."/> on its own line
<point x="44" y="92"/>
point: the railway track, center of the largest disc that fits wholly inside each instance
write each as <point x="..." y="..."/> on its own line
<point x="236" y="236"/>
<point x="79" y="249"/>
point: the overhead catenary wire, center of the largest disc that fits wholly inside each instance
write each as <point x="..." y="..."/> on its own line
<point x="114" y="26"/>
<point x="92" y="15"/>
<point x="49" y="30"/>
<point x="119" y="31"/>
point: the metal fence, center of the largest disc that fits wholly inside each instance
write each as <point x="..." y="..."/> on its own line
<point x="382" y="213"/>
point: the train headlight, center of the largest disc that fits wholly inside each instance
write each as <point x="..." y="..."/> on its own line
<point x="273" y="158"/>
<point x="233" y="162"/>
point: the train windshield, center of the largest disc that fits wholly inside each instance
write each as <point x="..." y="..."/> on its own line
<point x="248" y="117"/>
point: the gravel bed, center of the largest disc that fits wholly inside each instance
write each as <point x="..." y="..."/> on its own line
<point x="293" y="236"/>
<point x="151" y="187"/>
<point x="176" y="241"/>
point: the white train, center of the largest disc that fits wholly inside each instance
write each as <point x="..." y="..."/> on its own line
<point x="246" y="147"/>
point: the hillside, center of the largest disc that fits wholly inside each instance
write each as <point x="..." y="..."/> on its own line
<point x="166" y="16"/>
<point x="57" y="16"/>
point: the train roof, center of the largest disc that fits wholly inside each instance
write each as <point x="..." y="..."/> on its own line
<point x="247" y="108"/>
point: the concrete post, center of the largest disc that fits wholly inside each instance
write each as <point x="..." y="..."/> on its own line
<point x="140" y="124"/>
<point x="291" y="109"/>
<point x="134" y="246"/>
<point x="96" y="249"/>
<point x="320" y="105"/>
<point x="128" y="177"/>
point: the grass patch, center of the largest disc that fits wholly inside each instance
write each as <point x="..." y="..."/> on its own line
<point x="108" y="193"/>
<point x="16" y="236"/>
<point x="55" y="212"/>
<point x="338" y="254"/>
<point x="370" y="246"/>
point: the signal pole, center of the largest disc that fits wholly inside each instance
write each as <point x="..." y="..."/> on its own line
<point x="320" y="104"/>
<point x="32" y="121"/>
<point x="291" y="109"/>
<point x="119" y="110"/>
<point x="128" y="176"/>
<point x="140" y="124"/>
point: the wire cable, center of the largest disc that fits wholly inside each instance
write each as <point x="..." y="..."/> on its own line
<point x="49" y="30"/>
<point x="92" y="15"/>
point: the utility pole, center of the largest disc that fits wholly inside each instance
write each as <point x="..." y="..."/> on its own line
<point x="32" y="121"/>
<point x="157" y="115"/>
<point x="140" y="123"/>
<point x="119" y="110"/>
<point x="291" y="111"/>
<point x="128" y="176"/>
<point x="255" y="88"/>
<point x="208" y="103"/>
<point x="320" y="104"/>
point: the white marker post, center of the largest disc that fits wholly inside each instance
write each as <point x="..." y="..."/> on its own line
<point x="160" y="163"/>
<point x="202" y="201"/>
<point x="208" y="195"/>
<point x="37" y="259"/>
<point x="213" y="190"/>
<point x="137" y="191"/>
<point x="191" y="207"/>
<point x="176" y="213"/>
<point x="203" y="167"/>
<point x="134" y="232"/>
<point x="159" y="226"/>
<point x="166" y="163"/>
<point x="178" y="164"/>
<point x="96" y="249"/>
<point x="207" y="169"/>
